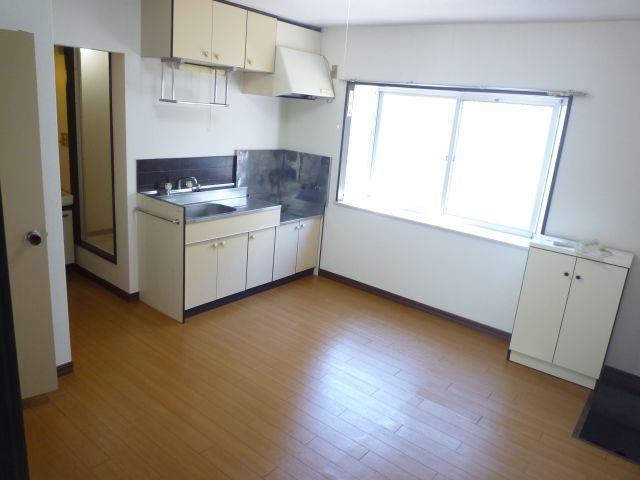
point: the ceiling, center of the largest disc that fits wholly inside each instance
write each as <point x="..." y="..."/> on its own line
<point x="325" y="13"/>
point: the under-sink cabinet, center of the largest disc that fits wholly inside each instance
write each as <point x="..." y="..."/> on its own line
<point x="214" y="269"/>
<point x="567" y="308"/>
<point x="260" y="257"/>
<point x="296" y="247"/>
<point x="187" y="267"/>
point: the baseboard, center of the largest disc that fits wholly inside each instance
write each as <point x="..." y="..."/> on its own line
<point x="420" y="306"/>
<point x="65" y="368"/>
<point x="129" y="297"/>
<point x="620" y="379"/>
<point x="246" y="293"/>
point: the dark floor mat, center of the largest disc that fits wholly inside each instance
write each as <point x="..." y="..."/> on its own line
<point x="611" y="419"/>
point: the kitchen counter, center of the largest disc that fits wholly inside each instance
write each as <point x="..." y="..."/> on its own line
<point x="236" y="198"/>
<point x="294" y="216"/>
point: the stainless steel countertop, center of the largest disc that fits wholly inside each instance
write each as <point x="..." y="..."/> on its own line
<point x="237" y="199"/>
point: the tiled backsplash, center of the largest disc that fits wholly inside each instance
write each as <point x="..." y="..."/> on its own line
<point x="152" y="173"/>
<point x="298" y="181"/>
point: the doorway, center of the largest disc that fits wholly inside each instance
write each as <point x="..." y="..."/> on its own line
<point x="85" y="139"/>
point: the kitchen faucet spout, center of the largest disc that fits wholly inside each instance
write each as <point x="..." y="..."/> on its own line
<point x="189" y="182"/>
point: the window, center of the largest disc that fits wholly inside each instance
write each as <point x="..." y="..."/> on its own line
<point x="446" y="156"/>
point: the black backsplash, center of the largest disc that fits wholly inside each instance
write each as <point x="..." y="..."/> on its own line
<point x="155" y="172"/>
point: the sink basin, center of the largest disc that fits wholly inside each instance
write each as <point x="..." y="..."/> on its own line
<point x="206" y="209"/>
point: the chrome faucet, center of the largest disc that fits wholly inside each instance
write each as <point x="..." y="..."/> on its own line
<point x="189" y="182"/>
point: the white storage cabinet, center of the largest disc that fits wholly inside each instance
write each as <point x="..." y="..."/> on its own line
<point x="567" y="308"/>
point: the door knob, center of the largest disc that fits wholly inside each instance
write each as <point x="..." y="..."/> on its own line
<point x="34" y="237"/>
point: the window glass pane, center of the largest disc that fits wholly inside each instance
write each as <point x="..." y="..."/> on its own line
<point x="501" y="163"/>
<point x="364" y="106"/>
<point x="412" y="143"/>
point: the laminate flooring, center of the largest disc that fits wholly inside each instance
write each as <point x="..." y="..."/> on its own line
<point x="310" y="380"/>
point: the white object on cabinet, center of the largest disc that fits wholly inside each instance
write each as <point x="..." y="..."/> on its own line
<point x="260" y="257"/>
<point x="296" y="247"/>
<point x="568" y="304"/>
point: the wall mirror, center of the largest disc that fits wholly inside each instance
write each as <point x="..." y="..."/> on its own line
<point x="85" y="128"/>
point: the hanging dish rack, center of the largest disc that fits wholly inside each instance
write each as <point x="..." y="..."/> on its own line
<point x="180" y="78"/>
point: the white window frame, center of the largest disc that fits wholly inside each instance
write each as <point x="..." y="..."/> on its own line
<point x="561" y="105"/>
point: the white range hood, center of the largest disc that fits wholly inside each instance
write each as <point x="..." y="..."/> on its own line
<point x="298" y="74"/>
<point x="301" y="74"/>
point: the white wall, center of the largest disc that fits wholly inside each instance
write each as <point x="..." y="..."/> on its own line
<point x="596" y="194"/>
<point x="35" y="16"/>
<point x="155" y="130"/>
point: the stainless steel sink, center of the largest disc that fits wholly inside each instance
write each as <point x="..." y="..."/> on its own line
<point x="206" y="209"/>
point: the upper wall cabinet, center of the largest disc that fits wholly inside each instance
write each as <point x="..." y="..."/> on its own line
<point x="192" y="30"/>
<point x="229" y="33"/>
<point x="205" y="31"/>
<point x="261" y="42"/>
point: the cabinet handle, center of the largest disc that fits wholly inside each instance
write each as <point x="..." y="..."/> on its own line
<point x="205" y="54"/>
<point x="216" y="56"/>
<point x="249" y="61"/>
<point x="302" y="225"/>
<point x="251" y="237"/>
<point x="566" y="274"/>
<point x="222" y="244"/>
<point x="214" y="244"/>
<point x="578" y="277"/>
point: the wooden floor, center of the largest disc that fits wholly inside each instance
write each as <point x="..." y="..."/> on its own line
<point x="310" y="380"/>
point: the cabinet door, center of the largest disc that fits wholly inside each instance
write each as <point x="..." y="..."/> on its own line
<point x="308" y="244"/>
<point x="192" y="29"/>
<point x="588" y="319"/>
<point x="543" y="297"/>
<point x="200" y="273"/>
<point x="260" y="257"/>
<point x="261" y="42"/>
<point x="229" y="33"/>
<point x="286" y="249"/>
<point x="232" y="265"/>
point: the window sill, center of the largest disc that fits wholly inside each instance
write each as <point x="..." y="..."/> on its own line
<point x="440" y="223"/>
